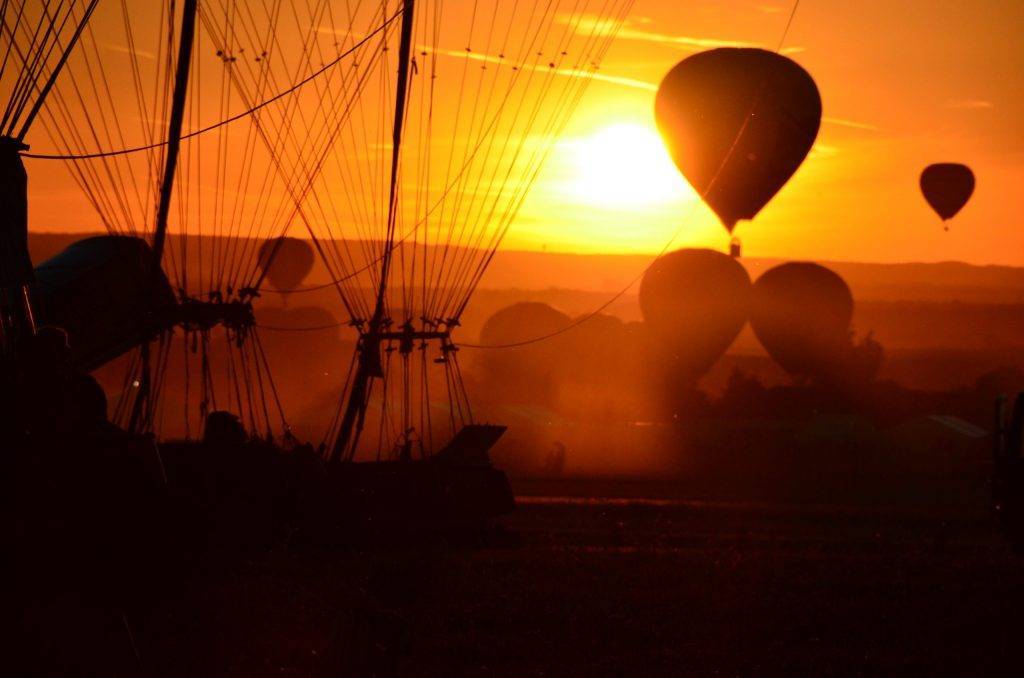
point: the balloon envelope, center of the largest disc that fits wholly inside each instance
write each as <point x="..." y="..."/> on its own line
<point x="947" y="187"/>
<point x="105" y="292"/>
<point x="521" y="322"/>
<point x="695" y="301"/>
<point x="738" y="123"/>
<point x="801" y="314"/>
<point x="286" y="261"/>
<point x="528" y="373"/>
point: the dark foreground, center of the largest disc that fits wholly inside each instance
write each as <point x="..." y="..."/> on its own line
<point x="646" y="583"/>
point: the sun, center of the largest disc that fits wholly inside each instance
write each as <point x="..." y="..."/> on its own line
<point x="624" y="165"/>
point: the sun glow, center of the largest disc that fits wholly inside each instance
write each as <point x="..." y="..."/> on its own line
<point x="624" y="165"/>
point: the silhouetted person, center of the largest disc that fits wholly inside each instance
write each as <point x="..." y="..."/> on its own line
<point x="223" y="439"/>
<point x="91" y="399"/>
<point x="43" y="380"/>
<point x="224" y="428"/>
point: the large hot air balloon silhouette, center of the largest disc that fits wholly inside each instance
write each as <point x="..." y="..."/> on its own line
<point x="695" y="302"/>
<point x="738" y="123"/>
<point x="286" y="262"/>
<point x="947" y="186"/>
<point x="801" y="314"/>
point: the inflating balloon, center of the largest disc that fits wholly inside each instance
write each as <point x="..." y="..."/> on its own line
<point x="521" y="322"/>
<point x="286" y="262"/>
<point x="801" y="314"/>
<point x="947" y="186"/>
<point x="695" y="301"/>
<point x="527" y="373"/>
<point x="738" y="123"/>
<point x="74" y="291"/>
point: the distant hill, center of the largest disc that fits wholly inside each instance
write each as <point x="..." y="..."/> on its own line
<point x="907" y="306"/>
<point x="942" y="325"/>
<point x="608" y="273"/>
<point x="945" y="281"/>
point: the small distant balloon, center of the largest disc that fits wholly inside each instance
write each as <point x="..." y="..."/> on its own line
<point x="801" y="313"/>
<point x="695" y="302"/>
<point x="286" y="262"/>
<point x="738" y="122"/>
<point x="947" y="186"/>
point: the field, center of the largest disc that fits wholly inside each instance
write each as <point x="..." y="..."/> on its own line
<point x="640" y="581"/>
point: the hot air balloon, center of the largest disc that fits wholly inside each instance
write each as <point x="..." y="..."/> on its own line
<point x="947" y="186"/>
<point x="801" y="314"/>
<point x="738" y="123"/>
<point x="286" y="262"/>
<point x="406" y="235"/>
<point x="107" y="292"/>
<point x="525" y="373"/>
<point x="695" y="302"/>
<point x="521" y="322"/>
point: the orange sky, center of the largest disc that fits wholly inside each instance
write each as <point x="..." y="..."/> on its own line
<point x="903" y="84"/>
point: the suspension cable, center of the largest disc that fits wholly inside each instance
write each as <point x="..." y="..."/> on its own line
<point x="597" y="311"/>
<point x="246" y="113"/>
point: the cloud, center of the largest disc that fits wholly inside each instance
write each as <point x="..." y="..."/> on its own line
<point x="340" y="32"/>
<point x="852" y="124"/>
<point x="823" y="151"/>
<point x="588" y="25"/>
<point x="141" y="54"/>
<point x="564" y="72"/>
<point x="970" y="104"/>
<point x="613" y="79"/>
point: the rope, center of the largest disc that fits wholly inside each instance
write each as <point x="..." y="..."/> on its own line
<point x="486" y="136"/>
<point x="520" y="69"/>
<point x="597" y="311"/>
<point x="27" y="122"/>
<point x="226" y="121"/>
<point x="314" y="328"/>
<point x="299" y="290"/>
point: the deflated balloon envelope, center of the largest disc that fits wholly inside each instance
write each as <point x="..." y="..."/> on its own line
<point x="695" y="301"/>
<point x="286" y="261"/>
<point x="801" y="313"/>
<point x="947" y="187"/>
<point x="738" y="123"/>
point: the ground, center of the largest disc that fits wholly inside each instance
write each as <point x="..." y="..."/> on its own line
<point x="646" y="582"/>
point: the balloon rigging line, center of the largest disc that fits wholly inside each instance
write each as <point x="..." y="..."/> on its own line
<point x="472" y="214"/>
<point x="590" y="315"/>
<point x="484" y="136"/>
<point x="314" y="328"/>
<point x="226" y="121"/>
<point x="594" y="313"/>
<point x="465" y="272"/>
<point x="246" y="378"/>
<point x="55" y="71"/>
<point x="445" y="302"/>
<point x="789" y="24"/>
